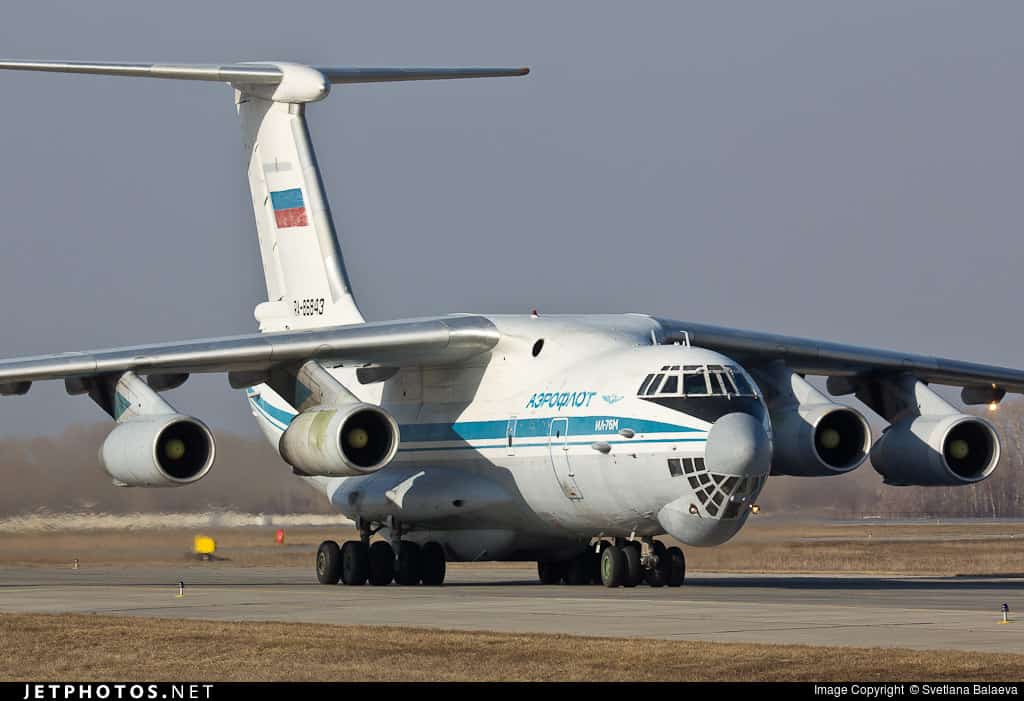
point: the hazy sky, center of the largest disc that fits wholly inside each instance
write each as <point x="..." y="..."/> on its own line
<point x="848" y="170"/>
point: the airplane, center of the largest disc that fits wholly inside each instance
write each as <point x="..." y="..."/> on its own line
<point x="575" y="441"/>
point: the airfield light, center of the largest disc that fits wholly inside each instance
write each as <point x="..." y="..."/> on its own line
<point x="175" y="449"/>
<point x="358" y="438"/>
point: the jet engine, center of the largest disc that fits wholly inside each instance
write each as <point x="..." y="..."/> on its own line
<point x="819" y="440"/>
<point x="813" y="436"/>
<point x="166" y="450"/>
<point x="954" y="449"/>
<point x="340" y="441"/>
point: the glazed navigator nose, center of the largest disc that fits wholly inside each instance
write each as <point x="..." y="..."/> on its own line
<point x="738" y="445"/>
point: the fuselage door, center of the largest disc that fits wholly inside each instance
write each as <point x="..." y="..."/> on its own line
<point x="558" y="447"/>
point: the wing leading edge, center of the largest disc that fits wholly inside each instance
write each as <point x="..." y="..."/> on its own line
<point x="429" y="341"/>
<point x="842" y="363"/>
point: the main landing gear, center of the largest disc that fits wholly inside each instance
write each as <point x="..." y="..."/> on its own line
<point x="620" y="564"/>
<point x="357" y="562"/>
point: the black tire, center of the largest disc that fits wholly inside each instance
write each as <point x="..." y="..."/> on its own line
<point x="578" y="570"/>
<point x="550" y="572"/>
<point x="634" y="570"/>
<point x="613" y="567"/>
<point x="355" y="563"/>
<point x="658" y="576"/>
<point x="432" y="564"/>
<point x="659" y="548"/>
<point x="407" y="564"/>
<point x="382" y="563"/>
<point x="328" y="562"/>
<point x="677" y="564"/>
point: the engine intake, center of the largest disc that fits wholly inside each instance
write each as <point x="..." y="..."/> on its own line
<point x="819" y="440"/>
<point x="158" y="451"/>
<point x="956" y="449"/>
<point x="344" y="441"/>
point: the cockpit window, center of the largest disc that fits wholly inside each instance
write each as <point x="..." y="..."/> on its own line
<point x="720" y="382"/>
<point x="743" y="386"/>
<point x="695" y="383"/>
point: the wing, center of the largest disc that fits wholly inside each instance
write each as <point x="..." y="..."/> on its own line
<point x="843" y="363"/>
<point x="430" y="341"/>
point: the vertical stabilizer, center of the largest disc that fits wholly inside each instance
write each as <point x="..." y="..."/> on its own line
<point x="306" y="282"/>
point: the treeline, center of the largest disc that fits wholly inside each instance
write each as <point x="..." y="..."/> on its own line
<point x="862" y="492"/>
<point x="62" y="474"/>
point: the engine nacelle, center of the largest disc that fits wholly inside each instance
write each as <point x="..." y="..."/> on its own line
<point x="343" y="441"/>
<point x="164" y="450"/>
<point x="954" y="449"/>
<point x="819" y="440"/>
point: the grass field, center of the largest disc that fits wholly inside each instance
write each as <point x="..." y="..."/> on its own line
<point x="968" y="547"/>
<point x="45" y="647"/>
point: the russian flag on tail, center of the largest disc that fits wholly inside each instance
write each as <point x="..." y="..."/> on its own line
<point x="289" y="208"/>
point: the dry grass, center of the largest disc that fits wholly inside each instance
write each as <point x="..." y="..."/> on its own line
<point x="910" y="548"/>
<point x="45" y="647"/>
<point x="763" y="546"/>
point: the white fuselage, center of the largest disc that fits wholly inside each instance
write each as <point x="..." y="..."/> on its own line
<point x="512" y="455"/>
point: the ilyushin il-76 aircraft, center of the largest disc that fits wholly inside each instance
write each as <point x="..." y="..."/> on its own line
<point x="572" y="441"/>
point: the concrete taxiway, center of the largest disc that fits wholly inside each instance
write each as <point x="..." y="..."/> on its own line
<point x="865" y="611"/>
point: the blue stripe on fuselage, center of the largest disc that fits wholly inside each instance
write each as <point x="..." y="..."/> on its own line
<point x="465" y="431"/>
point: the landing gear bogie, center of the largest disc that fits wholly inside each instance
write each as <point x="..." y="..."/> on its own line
<point x="627" y="565"/>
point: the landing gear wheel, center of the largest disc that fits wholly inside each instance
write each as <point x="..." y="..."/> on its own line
<point x="407" y="565"/>
<point x="634" y="568"/>
<point x="550" y="572"/>
<point x="677" y="571"/>
<point x="328" y="562"/>
<point x="355" y="563"/>
<point x="659" y="548"/>
<point x="658" y="575"/>
<point x="382" y="563"/>
<point x="613" y="567"/>
<point x="432" y="564"/>
<point x="578" y="570"/>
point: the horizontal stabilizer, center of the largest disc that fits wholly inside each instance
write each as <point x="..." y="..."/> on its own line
<point x="257" y="73"/>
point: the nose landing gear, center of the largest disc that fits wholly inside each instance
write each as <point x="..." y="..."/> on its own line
<point x="628" y="563"/>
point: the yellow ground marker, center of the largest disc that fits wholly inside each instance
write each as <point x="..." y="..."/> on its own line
<point x="203" y="545"/>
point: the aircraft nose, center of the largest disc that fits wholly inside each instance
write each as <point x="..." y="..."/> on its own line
<point x="738" y="445"/>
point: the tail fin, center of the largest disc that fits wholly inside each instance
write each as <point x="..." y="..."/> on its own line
<point x="307" y="286"/>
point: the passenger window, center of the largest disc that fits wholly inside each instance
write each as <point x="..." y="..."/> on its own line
<point x="671" y="385"/>
<point x="695" y="384"/>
